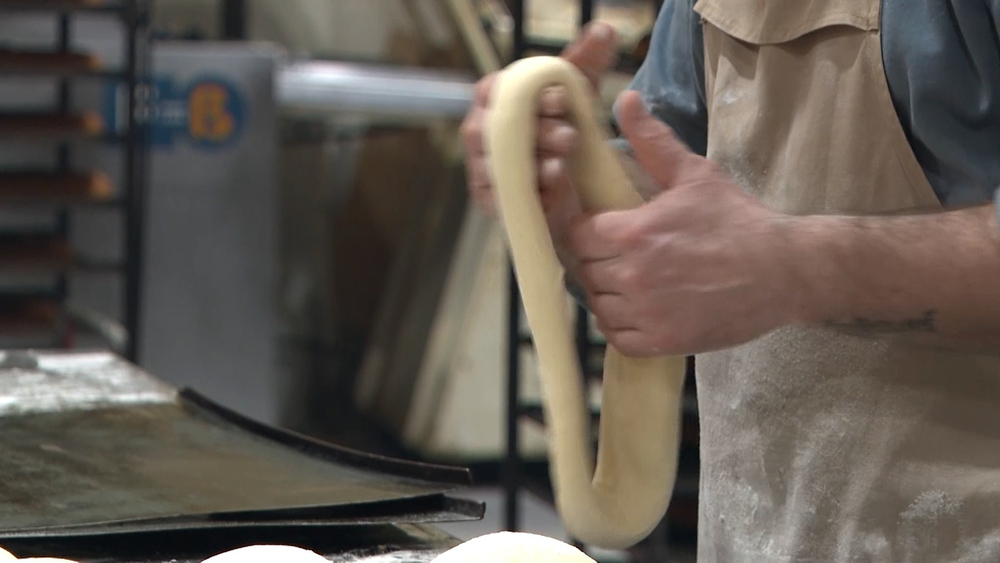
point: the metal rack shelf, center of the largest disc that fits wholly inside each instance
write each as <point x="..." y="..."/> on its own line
<point x="64" y="72"/>
<point x="31" y="313"/>
<point x="33" y="62"/>
<point x="52" y="126"/>
<point x="64" y="6"/>
<point x="44" y="188"/>
<point x="53" y="260"/>
<point x="62" y="189"/>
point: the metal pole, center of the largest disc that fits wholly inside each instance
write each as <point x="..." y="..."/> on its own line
<point x="583" y="343"/>
<point x="512" y="465"/>
<point x="234" y="20"/>
<point x="62" y="151"/>
<point x="135" y="173"/>
<point x="517" y="14"/>
<point x="586" y="12"/>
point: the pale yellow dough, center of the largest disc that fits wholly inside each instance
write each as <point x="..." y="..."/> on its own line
<point x="510" y="547"/>
<point x="267" y="554"/>
<point x="6" y="555"/>
<point x="620" y="502"/>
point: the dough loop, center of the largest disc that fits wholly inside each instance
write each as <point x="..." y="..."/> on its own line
<point x="620" y="502"/>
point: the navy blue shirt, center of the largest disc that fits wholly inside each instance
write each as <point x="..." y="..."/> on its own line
<point x="942" y="62"/>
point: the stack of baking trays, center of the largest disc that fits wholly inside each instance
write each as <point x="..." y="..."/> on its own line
<point x="101" y="462"/>
<point x="45" y="133"/>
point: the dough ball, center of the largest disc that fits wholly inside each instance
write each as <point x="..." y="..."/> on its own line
<point x="267" y="554"/>
<point x="513" y="547"/>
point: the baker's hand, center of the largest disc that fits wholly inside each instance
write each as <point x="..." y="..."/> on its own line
<point x="702" y="266"/>
<point x="593" y="52"/>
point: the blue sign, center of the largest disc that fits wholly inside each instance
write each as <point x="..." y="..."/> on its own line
<point x="207" y="113"/>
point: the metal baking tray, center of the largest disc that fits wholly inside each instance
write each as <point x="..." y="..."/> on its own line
<point x="93" y="446"/>
<point x="401" y="543"/>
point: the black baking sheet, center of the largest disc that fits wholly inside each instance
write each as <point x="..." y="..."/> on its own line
<point x="405" y="543"/>
<point x="117" y="467"/>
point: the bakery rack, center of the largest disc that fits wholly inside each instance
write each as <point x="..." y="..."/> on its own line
<point x="38" y="263"/>
<point x="679" y="525"/>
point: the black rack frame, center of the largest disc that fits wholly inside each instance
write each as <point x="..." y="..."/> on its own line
<point x="234" y="20"/>
<point x="514" y="477"/>
<point x="137" y="68"/>
<point x="134" y="15"/>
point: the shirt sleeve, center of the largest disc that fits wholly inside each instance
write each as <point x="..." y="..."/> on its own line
<point x="996" y="25"/>
<point x="996" y="204"/>
<point x="671" y="80"/>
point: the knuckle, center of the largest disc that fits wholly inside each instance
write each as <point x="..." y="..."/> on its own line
<point x="628" y="235"/>
<point x="483" y="198"/>
<point x="476" y="191"/>
<point x="471" y="128"/>
<point x="568" y="137"/>
<point x="477" y="185"/>
<point x="477" y="178"/>
<point x="484" y="86"/>
<point x="551" y="172"/>
<point x="480" y="191"/>
<point x="553" y="102"/>
<point x="632" y="278"/>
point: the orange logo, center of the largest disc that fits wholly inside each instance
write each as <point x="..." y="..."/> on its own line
<point x="209" y="118"/>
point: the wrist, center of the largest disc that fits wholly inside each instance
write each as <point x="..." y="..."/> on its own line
<point x="814" y="246"/>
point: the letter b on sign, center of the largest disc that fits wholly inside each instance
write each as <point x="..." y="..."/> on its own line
<point x="208" y="117"/>
<point x="215" y="113"/>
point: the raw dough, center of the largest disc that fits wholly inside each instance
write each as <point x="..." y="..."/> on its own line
<point x="6" y="555"/>
<point x="510" y="547"/>
<point x="621" y="502"/>
<point x="267" y="554"/>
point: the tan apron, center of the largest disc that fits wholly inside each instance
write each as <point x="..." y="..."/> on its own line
<point x="816" y="445"/>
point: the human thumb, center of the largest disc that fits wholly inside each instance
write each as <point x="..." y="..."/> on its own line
<point x="655" y="147"/>
<point x="594" y="51"/>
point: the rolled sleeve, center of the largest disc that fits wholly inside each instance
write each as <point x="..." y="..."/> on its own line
<point x="996" y="205"/>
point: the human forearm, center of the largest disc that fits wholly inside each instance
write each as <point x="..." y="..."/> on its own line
<point x="932" y="278"/>
<point x="706" y="266"/>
